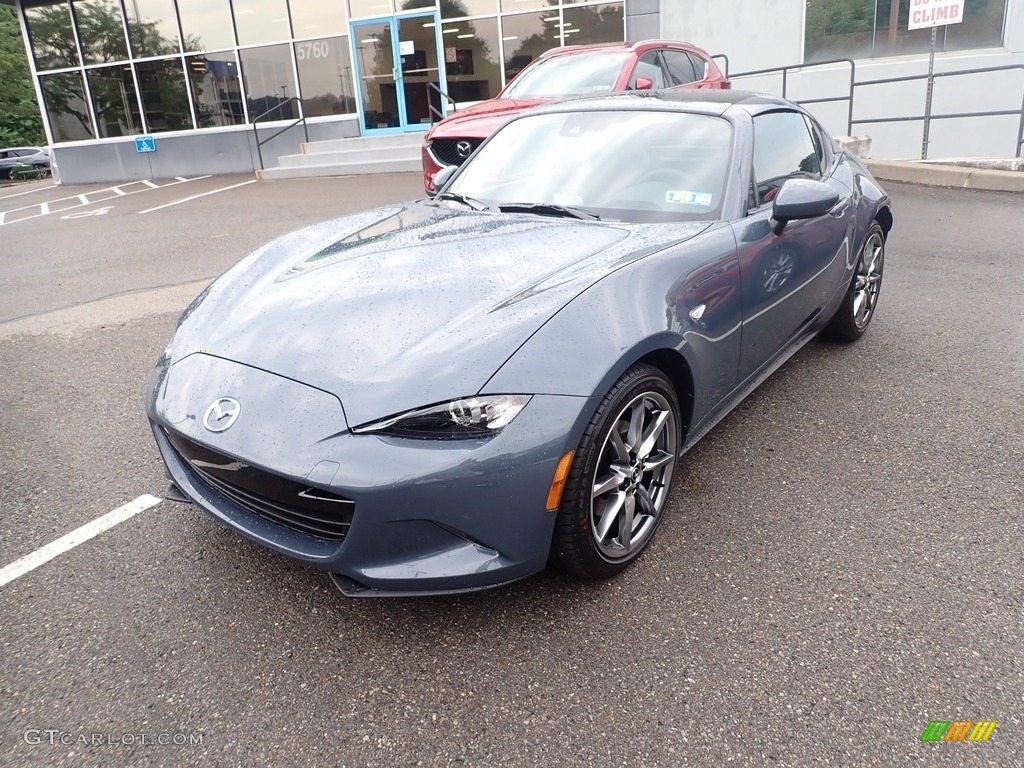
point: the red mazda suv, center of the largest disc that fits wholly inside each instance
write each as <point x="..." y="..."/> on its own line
<point x="560" y="73"/>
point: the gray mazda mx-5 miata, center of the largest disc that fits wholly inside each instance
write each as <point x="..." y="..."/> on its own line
<point x="449" y="394"/>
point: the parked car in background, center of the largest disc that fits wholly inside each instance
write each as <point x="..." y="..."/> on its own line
<point x="577" y="70"/>
<point x="36" y="157"/>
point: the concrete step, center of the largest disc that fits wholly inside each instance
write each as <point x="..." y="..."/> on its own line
<point x="363" y="143"/>
<point x="340" y="169"/>
<point x="372" y="155"/>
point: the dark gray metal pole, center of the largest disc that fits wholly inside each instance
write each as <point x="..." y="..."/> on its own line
<point x="928" y="97"/>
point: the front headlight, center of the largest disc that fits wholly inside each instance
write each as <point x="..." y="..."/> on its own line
<point x="476" y="416"/>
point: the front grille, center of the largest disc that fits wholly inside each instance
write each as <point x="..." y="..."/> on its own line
<point x="296" y="506"/>
<point x="447" y="150"/>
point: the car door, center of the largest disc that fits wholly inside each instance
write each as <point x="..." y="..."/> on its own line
<point x="786" y="279"/>
<point x="680" y="69"/>
<point x="649" y="66"/>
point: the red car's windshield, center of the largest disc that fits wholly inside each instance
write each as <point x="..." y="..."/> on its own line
<point x="578" y="75"/>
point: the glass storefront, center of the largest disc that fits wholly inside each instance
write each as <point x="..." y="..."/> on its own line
<point x="108" y="68"/>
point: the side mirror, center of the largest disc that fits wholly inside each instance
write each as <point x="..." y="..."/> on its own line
<point x="441" y="178"/>
<point x="801" y="199"/>
<point x="643" y="84"/>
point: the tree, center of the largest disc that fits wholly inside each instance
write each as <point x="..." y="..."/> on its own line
<point x="19" y="114"/>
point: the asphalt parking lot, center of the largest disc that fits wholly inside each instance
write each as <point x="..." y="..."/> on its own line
<point x="841" y="565"/>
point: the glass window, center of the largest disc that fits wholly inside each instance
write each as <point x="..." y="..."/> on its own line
<point x="65" y="107"/>
<point x="206" y="24"/>
<point x="648" y="66"/>
<point x="453" y="9"/>
<point x="364" y="8"/>
<point x="570" y="76"/>
<point x="656" y="166"/>
<point x="100" y="30"/>
<point x="216" y="89"/>
<point x="527" y="36"/>
<point x="261" y="21"/>
<point x="782" y="150"/>
<point x="269" y="82"/>
<point x="318" y="18"/>
<point x="593" y="24"/>
<point x="164" y="98"/>
<point x="152" y="27"/>
<point x="412" y="5"/>
<point x="51" y="35"/>
<point x="700" y="66"/>
<point x="861" y="28"/>
<point x="512" y="6"/>
<point x="471" y="63"/>
<point x="680" y="68"/>
<point x="325" y="77"/>
<point x="113" y="98"/>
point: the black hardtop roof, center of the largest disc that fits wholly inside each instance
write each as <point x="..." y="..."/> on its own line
<point x="711" y="102"/>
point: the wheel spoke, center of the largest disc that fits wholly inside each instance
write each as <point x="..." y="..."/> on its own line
<point x="646" y="501"/>
<point x="626" y="523"/>
<point x="651" y="437"/>
<point x="636" y="425"/>
<point x="611" y="513"/>
<point x="621" y="452"/>
<point x="657" y="461"/>
<point x="610" y="482"/>
<point x="858" y="302"/>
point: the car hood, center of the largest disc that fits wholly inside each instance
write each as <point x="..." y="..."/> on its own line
<point x="405" y="306"/>
<point x="481" y="120"/>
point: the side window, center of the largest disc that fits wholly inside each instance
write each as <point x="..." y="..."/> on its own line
<point x="680" y="68"/>
<point x="819" y="145"/>
<point x="648" y="66"/>
<point x="700" y="67"/>
<point x="782" y="150"/>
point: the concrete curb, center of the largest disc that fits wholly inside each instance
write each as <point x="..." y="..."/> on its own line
<point x="934" y="174"/>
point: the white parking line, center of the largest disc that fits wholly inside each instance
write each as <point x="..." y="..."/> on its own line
<point x="28" y="192"/>
<point x="196" y="197"/>
<point x="78" y="536"/>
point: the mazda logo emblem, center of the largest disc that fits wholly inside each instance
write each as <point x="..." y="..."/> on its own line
<point x="222" y="413"/>
<point x="464" y="148"/>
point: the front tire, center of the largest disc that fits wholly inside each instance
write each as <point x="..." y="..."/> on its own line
<point x="618" y="486"/>
<point x="861" y="299"/>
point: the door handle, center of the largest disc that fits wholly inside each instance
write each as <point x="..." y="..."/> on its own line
<point x="840" y="208"/>
<point x="395" y="74"/>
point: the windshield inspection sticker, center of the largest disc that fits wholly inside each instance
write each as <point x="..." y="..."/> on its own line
<point x="688" y="198"/>
<point x="563" y="199"/>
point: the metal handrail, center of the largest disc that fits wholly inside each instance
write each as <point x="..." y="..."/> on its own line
<point x="300" y="119"/>
<point x="927" y="117"/>
<point x="434" y="111"/>
<point x="723" y="57"/>
<point x="791" y="67"/>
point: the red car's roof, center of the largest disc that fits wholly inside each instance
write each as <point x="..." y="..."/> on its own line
<point x="641" y="45"/>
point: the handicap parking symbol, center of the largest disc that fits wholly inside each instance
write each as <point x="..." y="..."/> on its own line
<point x="145" y="144"/>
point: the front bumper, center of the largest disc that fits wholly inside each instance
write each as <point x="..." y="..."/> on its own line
<point x="429" y="516"/>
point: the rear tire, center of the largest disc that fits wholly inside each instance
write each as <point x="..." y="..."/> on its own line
<point x="858" y="307"/>
<point x="617" y="490"/>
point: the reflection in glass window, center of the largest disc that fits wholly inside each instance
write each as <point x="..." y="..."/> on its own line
<point x="782" y="150"/>
<point x="471" y="59"/>
<point x="364" y="8"/>
<point x="152" y="27"/>
<point x="318" y="18"/>
<point x="51" y="34"/>
<point x="216" y="89"/>
<point x="269" y="82"/>
<point x="527" y="36"/>
<point x="100" y="30"/>
<point x="594" y="24"/>
<point x="453" y="9"/>
<point x="206" y="24"/>
<point x="65" y="107"/>
<point x="260" y="21"/>
<point x="325" y="76"/>
<point x="511" y="6"/>
<point x="164" y="98"/>
<point x="857" y="29"/>
<point x="113" y="99"/>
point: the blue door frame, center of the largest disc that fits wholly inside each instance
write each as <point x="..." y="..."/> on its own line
<point x="404" y="126"/>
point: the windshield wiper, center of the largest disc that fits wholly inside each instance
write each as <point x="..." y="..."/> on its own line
<point x="472" y="202"/>
<point x="548" y="209"/>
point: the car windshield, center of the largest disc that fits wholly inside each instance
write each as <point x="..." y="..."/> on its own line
<point x="634" y="166"/>
<point x="568" y="76"/>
